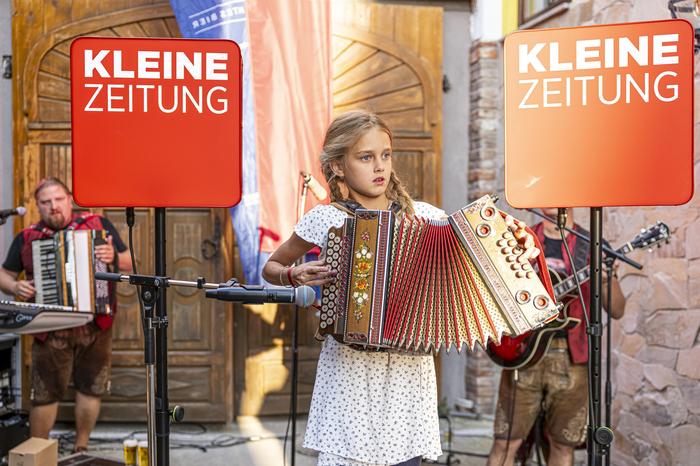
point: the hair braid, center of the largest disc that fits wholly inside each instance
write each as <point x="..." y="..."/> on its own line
<point x="396" y="191"/>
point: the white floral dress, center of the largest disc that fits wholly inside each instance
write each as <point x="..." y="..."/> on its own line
<point x="369" y="408"/>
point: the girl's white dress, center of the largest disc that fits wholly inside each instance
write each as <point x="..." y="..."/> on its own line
<point x="369" y="408"/>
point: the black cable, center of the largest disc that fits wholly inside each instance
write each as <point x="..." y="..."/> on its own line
<point x="511" y="414"/>
<point x="286" y="432"/>
<point x="130" y="220"/>
<point x="468" y="453"/>
<point x="588" y="325"/>
<point x="223" y="441"/>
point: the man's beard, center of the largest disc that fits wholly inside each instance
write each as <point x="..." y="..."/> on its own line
<point x="55" y="221"/>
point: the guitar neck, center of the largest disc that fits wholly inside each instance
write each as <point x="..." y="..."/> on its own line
<point x="568" y="284"/>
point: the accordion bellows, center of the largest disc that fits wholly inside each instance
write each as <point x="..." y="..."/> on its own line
<point x="417" y="285"/>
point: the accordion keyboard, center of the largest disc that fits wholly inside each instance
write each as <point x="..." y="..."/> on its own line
<point x="45" y="266"/>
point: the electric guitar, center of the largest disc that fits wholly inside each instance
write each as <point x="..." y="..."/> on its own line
<point x="526" y="350"/>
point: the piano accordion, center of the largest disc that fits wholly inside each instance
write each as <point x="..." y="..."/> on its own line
<point x="416" y="285"/>
<point x="64" y="270"/>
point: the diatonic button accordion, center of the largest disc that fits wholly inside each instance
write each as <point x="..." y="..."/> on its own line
<point x="417" y="285"/>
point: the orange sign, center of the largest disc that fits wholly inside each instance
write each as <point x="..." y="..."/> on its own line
<point x="600" y="116"/>
<point x="156" y="122"/>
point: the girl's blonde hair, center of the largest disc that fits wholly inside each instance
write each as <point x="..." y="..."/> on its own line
<point x="342" y="134"/>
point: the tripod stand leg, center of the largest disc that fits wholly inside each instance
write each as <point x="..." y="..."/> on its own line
<point x="151" y="407"/>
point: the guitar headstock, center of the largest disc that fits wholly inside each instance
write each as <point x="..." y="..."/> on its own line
<point x="651" y="235"/>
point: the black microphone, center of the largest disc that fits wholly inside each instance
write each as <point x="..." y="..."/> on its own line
<point x="4" y="213"/>
<point x="561" y="218"/>
<point x="303" y="296"/>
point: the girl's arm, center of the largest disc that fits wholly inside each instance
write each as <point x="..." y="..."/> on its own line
<point x="279" y="268"/>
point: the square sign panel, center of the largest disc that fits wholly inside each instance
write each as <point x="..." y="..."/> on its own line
<point x="156" y="122"/>
<point x="600" y="116"/>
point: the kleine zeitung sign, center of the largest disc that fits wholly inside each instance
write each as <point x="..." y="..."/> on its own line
<point x="156" y="122"/>
<point x="600" y="116"/>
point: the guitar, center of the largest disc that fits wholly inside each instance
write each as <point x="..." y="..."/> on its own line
<point x="526" y="350"/>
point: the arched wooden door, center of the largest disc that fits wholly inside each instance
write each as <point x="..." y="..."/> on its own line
<point x="200" y="333"/>
<point x="387" y="59"/>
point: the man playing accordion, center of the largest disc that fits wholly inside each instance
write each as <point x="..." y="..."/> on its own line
<point x="82" y="354"/>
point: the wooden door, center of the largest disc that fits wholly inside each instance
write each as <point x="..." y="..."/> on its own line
<point x="387" y="59"/>
<point x="200" y="331"/>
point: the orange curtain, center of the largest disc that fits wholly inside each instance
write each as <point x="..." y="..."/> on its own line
<point x="291" y="66"/>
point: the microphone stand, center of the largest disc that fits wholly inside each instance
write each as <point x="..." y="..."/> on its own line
<point x="152" y="292"/>
<point x="295" y="339"/>
<point x="608" y="251"/>
<point x="3" y="219"/>
<point x="600" y="436"/>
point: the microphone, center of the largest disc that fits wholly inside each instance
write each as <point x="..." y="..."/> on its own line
<point x="303" y="296"/>
<point x="4" y="213"/>
<point x="314" y="186"/>
<point x="561" y="218"/>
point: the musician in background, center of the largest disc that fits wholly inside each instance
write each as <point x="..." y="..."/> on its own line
<point x="558" y="383"/>
<point x="81" y="354"/>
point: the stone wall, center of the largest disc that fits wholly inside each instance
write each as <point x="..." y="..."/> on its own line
<point x="656" y="345"/>
<point x="485" y="163"/>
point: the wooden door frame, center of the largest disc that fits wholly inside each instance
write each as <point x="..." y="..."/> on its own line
<point x="29" y="134"/>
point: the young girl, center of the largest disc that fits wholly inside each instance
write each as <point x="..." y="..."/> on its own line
<point x="368" y="408"/>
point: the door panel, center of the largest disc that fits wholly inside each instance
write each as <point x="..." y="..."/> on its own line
<point x="387" y="59"/>
<point x="200" y="332"/>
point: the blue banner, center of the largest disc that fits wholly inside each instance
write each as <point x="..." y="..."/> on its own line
<point x="219" y="19"/>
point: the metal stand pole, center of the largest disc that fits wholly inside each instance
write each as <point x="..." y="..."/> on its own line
<point x="162" y="408"/>
<point x="295" y="371"/>
<point x="599" y="437"/>
<point x="149" y="295"/>
<point x="608" y="381"/>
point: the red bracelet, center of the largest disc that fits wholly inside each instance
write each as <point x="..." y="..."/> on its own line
<point x="289" y="276"/>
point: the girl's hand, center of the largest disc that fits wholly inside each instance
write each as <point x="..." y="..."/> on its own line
<point x="312" y="274"/>
<point x="525" y="240"/>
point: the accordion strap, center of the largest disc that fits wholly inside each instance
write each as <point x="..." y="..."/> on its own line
<point x="349" y="206"/>
<point x="344" y="208"/>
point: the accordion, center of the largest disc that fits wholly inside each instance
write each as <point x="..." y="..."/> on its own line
<point x="416" y="285"/>
<point x="64" y="271"/>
